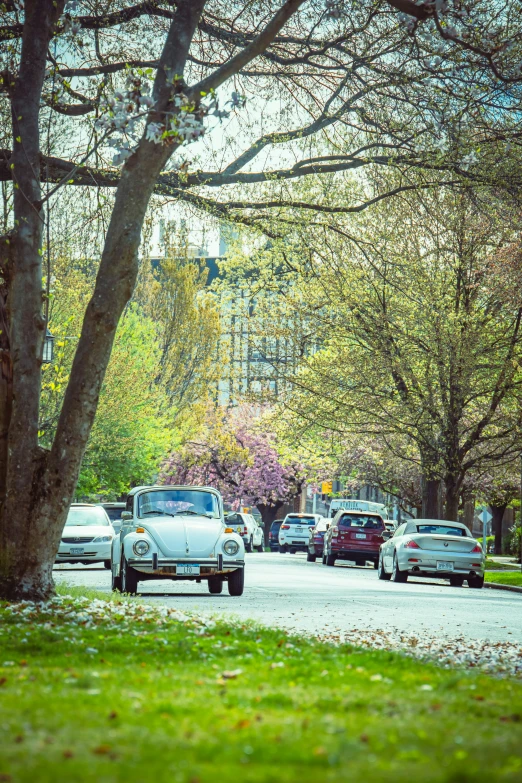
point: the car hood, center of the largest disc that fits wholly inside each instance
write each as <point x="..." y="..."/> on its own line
<point x="184" y="536"/>
<point x="87" y="531"/>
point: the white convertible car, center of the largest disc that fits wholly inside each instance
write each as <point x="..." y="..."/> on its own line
<point x="177" y="533"/>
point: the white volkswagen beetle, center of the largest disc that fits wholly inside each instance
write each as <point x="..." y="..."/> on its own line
<point x="176" y="533"/>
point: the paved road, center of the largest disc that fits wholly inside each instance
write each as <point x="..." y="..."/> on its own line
<point x="287" y="591"/>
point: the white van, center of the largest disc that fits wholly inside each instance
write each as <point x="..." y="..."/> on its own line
<point x="356" y="505"/>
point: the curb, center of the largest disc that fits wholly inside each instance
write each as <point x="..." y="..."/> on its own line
<point x="510" y="588"/>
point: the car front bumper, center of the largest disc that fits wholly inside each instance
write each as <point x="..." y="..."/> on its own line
<point x="166" y="566"/>
<point x="95" y="553"/>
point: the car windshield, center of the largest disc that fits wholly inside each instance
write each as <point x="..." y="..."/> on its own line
<point x="441" y="530"/>
<point x="172" y="502"/>
<point x="85" y="516"/>
<point x="276" y="525"/>
<point x="361" y="520"/>
<point x="300" y="520"/>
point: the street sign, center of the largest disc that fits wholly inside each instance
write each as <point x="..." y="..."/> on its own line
<point x="485" y="516"/>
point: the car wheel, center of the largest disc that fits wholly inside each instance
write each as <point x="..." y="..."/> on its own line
<point x="107" y="564"/>
<point x="129" y="578"/>
<point x="215" y="585"/>
<point x="330" y="559"/>
<point x="476" y="582"/>
<point x="236" y="582"/>
<point x="311" y="558"/>
<point x="376" y="564"/>
<point x="260" y="548"/>
<point x="456" y="581"/>
<point x="248" y="546"/>
<point x="397" y="575"/>
<point x="324" y="557"/>
<point x="282" y="549"/>
<point x="381" y="573"/>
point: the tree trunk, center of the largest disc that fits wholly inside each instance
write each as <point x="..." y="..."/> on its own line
<point x="39" y="485"/>
<point x="497" y="513"/>
<point x="452" y="496"/>
<point x="268" y="514"/>
<point x="469" y="513"/>
<point x="431" y="498"/>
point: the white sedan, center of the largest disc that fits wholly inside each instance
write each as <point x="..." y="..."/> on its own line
<point x="432" y="548"/>
<point x="177" y="533"/>
<point x="87" y="536"/>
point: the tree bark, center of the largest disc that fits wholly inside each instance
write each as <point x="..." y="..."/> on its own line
<point x="469" y="513"/>
<point x="268" y="514"/>
<point x="497" y="513"/>
<point x="431" y="498"/>
<point x="40" y="485"/>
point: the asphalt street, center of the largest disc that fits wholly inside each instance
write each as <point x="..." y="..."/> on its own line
<point x="286" y="591"/>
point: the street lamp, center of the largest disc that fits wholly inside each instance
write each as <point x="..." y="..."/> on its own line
<point x="48" y="348"/>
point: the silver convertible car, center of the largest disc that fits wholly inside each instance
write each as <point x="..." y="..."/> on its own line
<point x="176" y="533"/>
<point x="432" y="548"/>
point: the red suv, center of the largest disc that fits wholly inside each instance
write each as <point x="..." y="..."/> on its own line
<point x="354" y="535"/>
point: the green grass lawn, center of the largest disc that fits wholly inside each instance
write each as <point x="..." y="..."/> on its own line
<point x="505" y="577"/>
<point x="153" y="698"/>
<point x="491" y="565"/>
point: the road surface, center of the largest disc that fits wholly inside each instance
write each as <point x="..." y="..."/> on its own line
<point x="286" y="591"/>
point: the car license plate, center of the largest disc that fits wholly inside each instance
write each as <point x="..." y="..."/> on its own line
<point x="443" y="565"/>
<point x="187" y="569"/>
<point x="76" y="550"/>
<point x="360" y="535"/>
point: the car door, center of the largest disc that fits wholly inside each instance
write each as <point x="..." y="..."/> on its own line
<point x="389" y="546"/>
<point x="258" y="533"/>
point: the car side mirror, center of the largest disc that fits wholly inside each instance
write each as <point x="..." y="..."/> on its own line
<point x="386" y="534"/>
<point x="126" y="515"/>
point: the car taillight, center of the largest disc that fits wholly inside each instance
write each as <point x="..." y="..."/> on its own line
<point x="477" y="549"/>
<point x="245" y="531"/>
<point x="411" y="545"/>
<point x="285" y="527"/>
<point x="335" y="531"/>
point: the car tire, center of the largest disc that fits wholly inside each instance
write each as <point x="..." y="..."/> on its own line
<point x="116" y="583"/>
<point x="129" y="578"/>
<point x="282" y="550"/>
<point x="324" y="558"/>
<point x="107" y="564"/>
<point x="456" y="581"/>
<point x="248" y="546"/>
<point x="397" y="575"/>
<point x="381" y="573"/>
<point x="477" y="582"/>
<point x="236" y="582"/>
<point x="215" y="585"/>
<point x="330" y="559"/>
<point x="260" y="548"/>
<point x="310" y="558"/>
<point x="376" y="564"/>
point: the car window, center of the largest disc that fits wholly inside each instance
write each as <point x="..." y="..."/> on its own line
<point x="85" y="516"/>
<point x="114" y="514"/>
<point x="361" y="520"/>
<point x="441" y="530"/>
<point x="178" y="501"/>
<point x="298" y="520"/>
<point x="276" y="525"/>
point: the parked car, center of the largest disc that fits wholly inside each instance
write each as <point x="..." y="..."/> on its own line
<point x="294" y="533"/>
<point x="114" y="513"/>
<point x="87" y="536"/>
<point x="177" y="533"/>
<point x="432" y="548"/>
<point x="355" y="536"/>
<point x="273" y="535"/>
<point x="249" y="529"/>
<point x="316" y="541"/>
<point x="390" y="525"/>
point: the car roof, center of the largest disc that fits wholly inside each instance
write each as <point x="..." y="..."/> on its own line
<point x="343" y="511"/>
<point x="448" y="523"/>
<point x="85" y="505"/>
<point x="134" y="490"/>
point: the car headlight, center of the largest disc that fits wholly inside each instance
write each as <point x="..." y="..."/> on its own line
<point x="141" y="547"/>
<point x="102" y="539"/>
<point x="231" y="547"/>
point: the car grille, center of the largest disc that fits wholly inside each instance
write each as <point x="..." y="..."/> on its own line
<point x="81" y="540"/>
